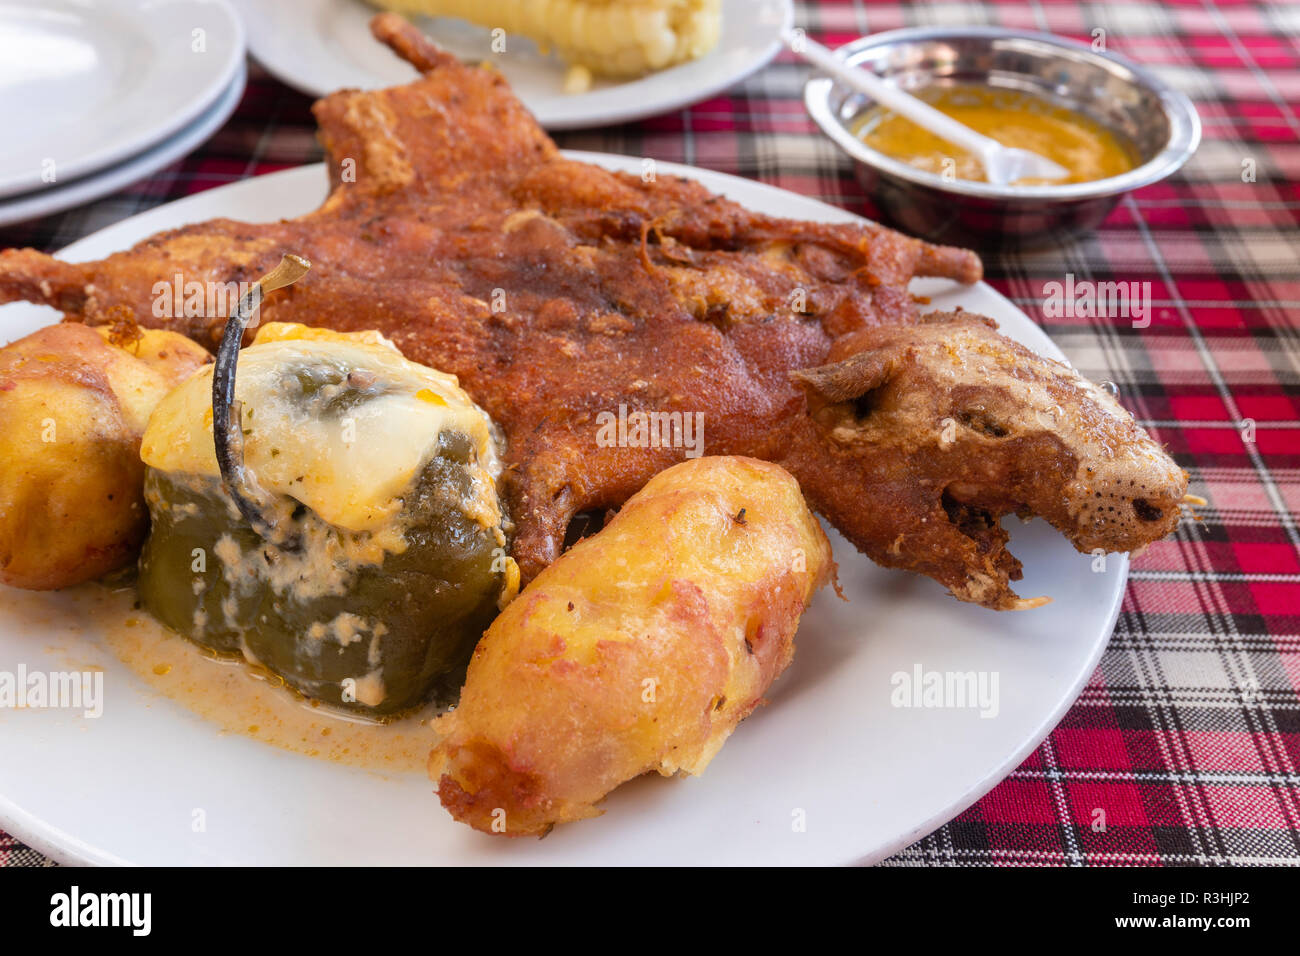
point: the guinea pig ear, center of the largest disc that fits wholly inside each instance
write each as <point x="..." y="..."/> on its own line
<point x="852" y="377"/>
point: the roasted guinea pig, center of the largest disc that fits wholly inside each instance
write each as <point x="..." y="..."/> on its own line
<point x="953" y="426"/>
<point x="559" y="292"/>
<point x="74" y="402"/>
<point x="640" y="649"/>
<point x="389" y="558"/>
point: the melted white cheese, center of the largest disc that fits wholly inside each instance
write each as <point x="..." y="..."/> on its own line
<point x="351" y="468"/>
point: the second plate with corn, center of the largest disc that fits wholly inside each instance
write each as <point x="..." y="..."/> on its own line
<point x="576" y="64"/>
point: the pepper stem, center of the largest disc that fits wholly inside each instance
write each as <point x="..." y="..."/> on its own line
<point x="227" y="431"/>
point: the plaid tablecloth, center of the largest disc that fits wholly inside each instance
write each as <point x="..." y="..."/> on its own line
<point x="1188" y="734"/>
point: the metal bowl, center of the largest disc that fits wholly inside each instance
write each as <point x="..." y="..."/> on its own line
<point x="1156" y="122"/>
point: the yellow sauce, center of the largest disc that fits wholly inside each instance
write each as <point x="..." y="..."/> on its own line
<point x="1088" y="150"/>
<point x="81" y="623"/>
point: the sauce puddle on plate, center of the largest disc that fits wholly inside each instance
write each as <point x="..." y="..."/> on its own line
<point x="1020" y="120"/>
<point x="238" y="700"/>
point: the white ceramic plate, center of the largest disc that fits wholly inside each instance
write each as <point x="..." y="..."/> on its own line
<point x="319" y="46"/>
<point x="58" y="197"/>
<point x="865" y="777"/>
<point x="85" y="85"/>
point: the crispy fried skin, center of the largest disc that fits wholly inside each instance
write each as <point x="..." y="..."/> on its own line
<point x="640" y="649"/>
<point x="556" y="291"/>
<point x="74" y="402"/>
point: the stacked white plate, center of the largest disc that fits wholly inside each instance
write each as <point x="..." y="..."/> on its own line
<point x="99" y="95"/>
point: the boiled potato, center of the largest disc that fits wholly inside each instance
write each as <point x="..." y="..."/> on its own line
<point x="74" y="402"/>
<point x="640" y="649"/>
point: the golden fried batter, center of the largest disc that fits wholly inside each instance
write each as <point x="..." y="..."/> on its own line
<point x="640" y="649"/>
<point x="561" y="293"/>
<point x="73" y="404"/>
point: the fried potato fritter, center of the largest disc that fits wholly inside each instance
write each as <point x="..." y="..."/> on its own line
<point x="640" y="649"/>
<point x="74" y="402"/>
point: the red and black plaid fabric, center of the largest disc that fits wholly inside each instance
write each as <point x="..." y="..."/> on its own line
<point x="1188" y="735"/>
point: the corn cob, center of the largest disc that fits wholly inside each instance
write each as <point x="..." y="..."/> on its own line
<point x="620" y="38"/>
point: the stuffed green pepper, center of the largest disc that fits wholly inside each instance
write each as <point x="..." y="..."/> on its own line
<point x="378" y="553"/>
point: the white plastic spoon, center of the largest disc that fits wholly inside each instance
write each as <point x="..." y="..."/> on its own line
<point x="1002" y="164"/>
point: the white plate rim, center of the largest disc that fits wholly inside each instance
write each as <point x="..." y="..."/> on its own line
<point x="169" y="122"/>
<point x="65" y="847"/>
<point x="299" y="71"/>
